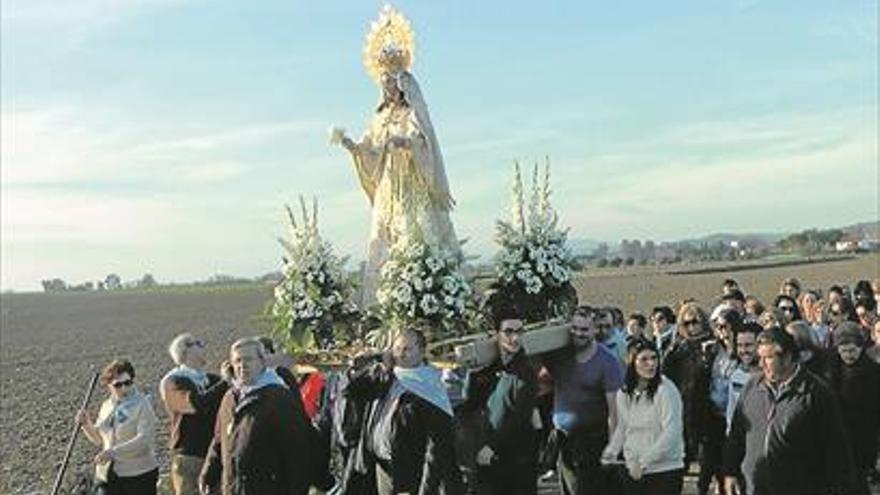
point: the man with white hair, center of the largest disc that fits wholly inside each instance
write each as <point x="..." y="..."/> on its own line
<point x="262" y="438"/>
<point x="191" y="397"/>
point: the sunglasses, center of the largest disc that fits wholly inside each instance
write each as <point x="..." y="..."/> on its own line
<point x="195" y="343"/>
<point x="123" y="383"/>
<point x="787" y="309"/>
<point x="690" y="323"/>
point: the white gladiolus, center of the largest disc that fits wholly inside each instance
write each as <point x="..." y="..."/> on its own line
<point x="533" y="254"/>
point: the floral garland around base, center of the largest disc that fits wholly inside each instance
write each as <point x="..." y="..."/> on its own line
<point x="420" y="283"/>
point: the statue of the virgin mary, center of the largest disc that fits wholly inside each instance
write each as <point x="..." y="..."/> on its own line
<point x="398" y="160"/>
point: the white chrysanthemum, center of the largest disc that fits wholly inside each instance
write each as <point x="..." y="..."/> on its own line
<point x="429" y="304"/>
<point x="434" y="264"/>
<point x="534" y="286"/>
<point x="450" y="285"/>
<point x="404" y="293"/>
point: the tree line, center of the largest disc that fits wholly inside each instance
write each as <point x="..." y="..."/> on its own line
<point x="110" y="282"/>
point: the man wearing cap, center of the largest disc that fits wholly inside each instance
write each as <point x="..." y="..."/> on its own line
<point x="787" y="434"/>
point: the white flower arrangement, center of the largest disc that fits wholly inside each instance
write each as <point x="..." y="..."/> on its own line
<point x="316" y="292"/>
<point x="420" y="282"/>
<point x="534" y="255"/>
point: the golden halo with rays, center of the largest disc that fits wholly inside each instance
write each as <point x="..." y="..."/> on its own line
<point x="390" y="44"/>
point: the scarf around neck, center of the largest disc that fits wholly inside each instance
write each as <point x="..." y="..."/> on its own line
<point x="425" y="382"/>
<point x="198" y="377"/>
<point x="121" y="409"/>
<point x="266" y="378"/>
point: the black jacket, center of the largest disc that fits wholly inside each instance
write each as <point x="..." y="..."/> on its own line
<point x="791" y="443"/>
<point x="689" y="365"/>
<point x="858" y="387"/>
<point x="261" y="445"/>
<point x="423" y="460"/>
<point x="506" y="393"/>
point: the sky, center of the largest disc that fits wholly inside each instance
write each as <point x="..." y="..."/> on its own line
<point x="165" y="136"/>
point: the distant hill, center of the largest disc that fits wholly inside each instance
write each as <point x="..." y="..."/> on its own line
<point x="751" y="238"/>
<point x="863" y="230"/>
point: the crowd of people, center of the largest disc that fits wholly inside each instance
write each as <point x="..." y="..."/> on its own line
<point x="779" y="399"/>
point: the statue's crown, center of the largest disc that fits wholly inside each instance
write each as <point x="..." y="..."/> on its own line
<point x="389" y="45"/>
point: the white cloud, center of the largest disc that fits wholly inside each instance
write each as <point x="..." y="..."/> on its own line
<point x="767" y="172"/>
<point x="67" y="145"/>
<point x="76" y="180"/>
<point x="228" y="138"/>
<point x="50" y="145"/>
<point x="763" y="190"/>
<point x="74" y="20"/>
<point x="212" y="172"/>
<point x="52" y="215"/>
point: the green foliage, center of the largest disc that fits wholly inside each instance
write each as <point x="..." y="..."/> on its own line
<point x="811" y="241"/>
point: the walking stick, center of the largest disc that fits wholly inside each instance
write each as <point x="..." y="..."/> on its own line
<point x="70" y="443"/>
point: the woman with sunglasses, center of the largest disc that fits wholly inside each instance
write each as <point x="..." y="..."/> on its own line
<point x="649" y="426"/>
<point x="689" y="366"/>
<point x="789" y="307"/>
<point x="124" y="429"/>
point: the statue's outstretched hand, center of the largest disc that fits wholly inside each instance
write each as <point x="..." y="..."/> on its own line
<point x="338" y="137"/>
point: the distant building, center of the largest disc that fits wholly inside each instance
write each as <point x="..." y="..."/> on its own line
<point x="847" y="245"/>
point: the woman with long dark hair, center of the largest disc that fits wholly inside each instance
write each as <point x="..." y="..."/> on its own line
<point x="649" y="426"/>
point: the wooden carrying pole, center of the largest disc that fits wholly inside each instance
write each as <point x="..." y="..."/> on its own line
<point x="538" y="339"/>
<point x="85" y="403"/>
